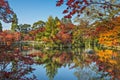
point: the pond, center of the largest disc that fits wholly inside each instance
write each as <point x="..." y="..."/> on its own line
<point x="64" y="64"/>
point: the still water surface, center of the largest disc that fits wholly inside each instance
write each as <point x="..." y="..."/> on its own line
<point x="76" y="64"/>
<point x="64" y="73"/>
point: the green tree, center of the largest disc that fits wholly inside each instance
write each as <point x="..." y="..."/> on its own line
<point x="57" y="19"/>
<point x="14" y="24"/>
<point x="23" y="28"/>
<point x="51" y="28"/>
<point x="0" y="26"/>
<point x="51" y="69"/>
<point x="38" y="24"/>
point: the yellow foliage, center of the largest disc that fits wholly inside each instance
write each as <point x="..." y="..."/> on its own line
<point x="111" y="37"/>
<point x="58" y="24"/>
<point x="113" y="61"/>
<point x="107" y="56"/>
<point x="45" y="39"/>
<point x="109" y="32"/>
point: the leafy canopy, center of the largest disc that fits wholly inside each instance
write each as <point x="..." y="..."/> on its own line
<point x="89" y="7"/>
<point x="6" y="12"/>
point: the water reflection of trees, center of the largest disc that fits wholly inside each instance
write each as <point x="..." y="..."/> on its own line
<point x="109" y="60"/>
<point x="106" y="60"/>
<point x="55" y="59"/>
<point x="91" y="72"/>
<point x="14" y="66"/>
<point x="51" y="69"/>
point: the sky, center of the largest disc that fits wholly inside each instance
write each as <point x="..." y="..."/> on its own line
<point x="30" y="11"/>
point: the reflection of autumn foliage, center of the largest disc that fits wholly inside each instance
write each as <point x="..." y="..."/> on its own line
<point x="107" y="56"/>
<point x="15" y="66"/>
<point x="64" y="57"/>
<point x="39" y="54"/>
<point x="60" y="58"/>
<point x="109" y="61"/>
<point x="15" y="57"/>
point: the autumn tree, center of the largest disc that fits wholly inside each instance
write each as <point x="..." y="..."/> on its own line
<point x="51" y="26"/>
<point x="80" y="33"/>
<point x="65" y="34"/>
<point x="111" y="37"/>
<point x="50" y="29"/>
<point x="57" y="21"/>
<point x="94" y="8"/>
<point x="6" y="13"/>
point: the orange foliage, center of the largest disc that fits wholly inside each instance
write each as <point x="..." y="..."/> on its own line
<point x="35" y="54"/>
<point x="64" y="34"/>
<point x="111" y="36"/>
<point x="107" y="56"/>
<point x="66" y="27"/>
<point x="109" y="61"/>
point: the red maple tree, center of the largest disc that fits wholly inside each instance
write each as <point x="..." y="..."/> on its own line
<point x="78" y="6"/>
<point x="6" y="12"/>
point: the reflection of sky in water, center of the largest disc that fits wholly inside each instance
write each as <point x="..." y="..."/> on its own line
<point x="40" y="72"/>
<point x="64" y="73"/>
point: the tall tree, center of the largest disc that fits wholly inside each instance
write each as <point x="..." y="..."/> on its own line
<point x="50" y="27"/>
<point x="14" y="25"/>
<point x="0" y="26"/>
<point x="38" y="24"/>
<point x="57" y="19"/>
<point x="23" y="28"/>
